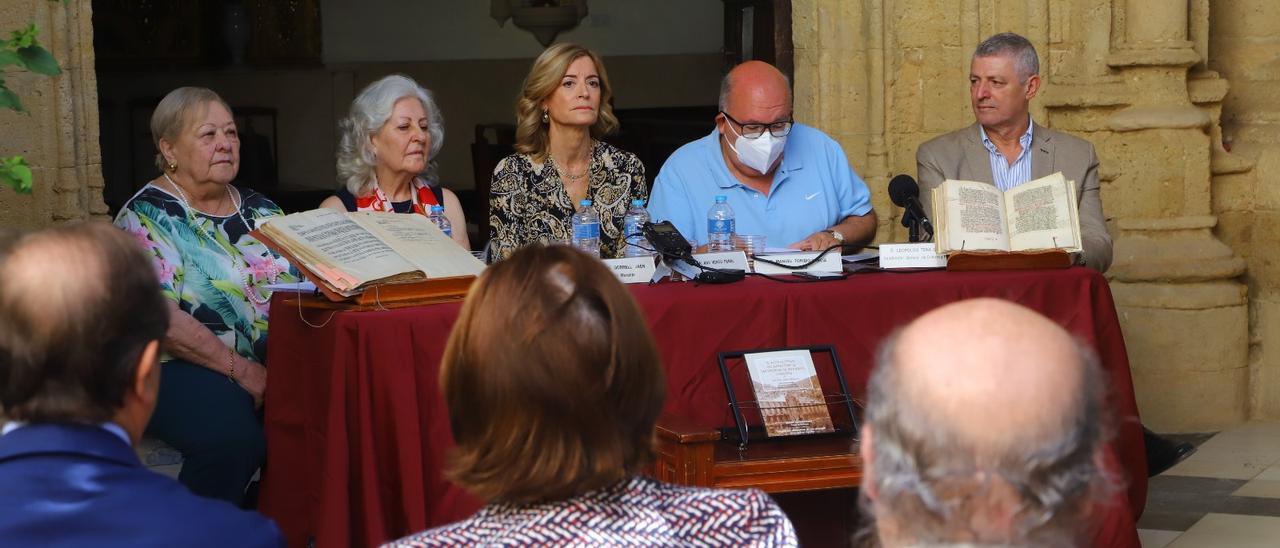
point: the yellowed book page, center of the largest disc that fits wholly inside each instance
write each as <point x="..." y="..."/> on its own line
<point x="939" y="218"/>
<point x="422" y="243"/>
<point x="1041" y="215"/>
<point x="974" y="215"/>
<point x="338" y="248"/>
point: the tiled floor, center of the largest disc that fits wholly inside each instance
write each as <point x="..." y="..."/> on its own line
<point x="1225" y="495"/>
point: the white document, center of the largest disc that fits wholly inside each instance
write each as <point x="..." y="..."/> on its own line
<point x="923" y="255"/>
<point x="301" y="286"/>
<point x="632" y="270"/>
<point x="830" y="262"/>
<point x="723" y="260"/>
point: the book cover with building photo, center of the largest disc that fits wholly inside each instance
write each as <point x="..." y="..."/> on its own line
<point x="788" y="393"/>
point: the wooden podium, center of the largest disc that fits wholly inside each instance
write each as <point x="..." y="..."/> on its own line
<point x="691" y="454"/>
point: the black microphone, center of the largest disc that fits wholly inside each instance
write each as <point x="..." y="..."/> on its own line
<point x="905" y="193"/>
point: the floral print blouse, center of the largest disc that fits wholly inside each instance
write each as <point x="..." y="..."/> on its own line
<point x="193" y="257"/>
<point x="528" y="203"/>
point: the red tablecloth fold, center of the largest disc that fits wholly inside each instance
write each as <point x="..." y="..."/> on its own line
<point x="357" y="434"/>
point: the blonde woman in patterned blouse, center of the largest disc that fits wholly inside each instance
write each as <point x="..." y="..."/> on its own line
<point x="562" y="112"/>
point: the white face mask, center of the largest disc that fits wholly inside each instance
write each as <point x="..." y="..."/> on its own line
<point x="759" y="153"/>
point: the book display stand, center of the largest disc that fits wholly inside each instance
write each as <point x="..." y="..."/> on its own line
<point x="960" y="261"/>
<point x="829" y="410"/>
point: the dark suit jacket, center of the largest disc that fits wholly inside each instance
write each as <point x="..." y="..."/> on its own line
<point x="80" y="485"/>
<point x="960" y="155"/>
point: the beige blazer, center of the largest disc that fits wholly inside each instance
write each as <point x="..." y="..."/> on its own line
<point x="960" y="155"/>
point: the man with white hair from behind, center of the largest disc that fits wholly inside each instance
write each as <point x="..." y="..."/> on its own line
<point x="984" y="427"/>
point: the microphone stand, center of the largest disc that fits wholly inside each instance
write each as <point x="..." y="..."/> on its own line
<point x="916" y="225"/>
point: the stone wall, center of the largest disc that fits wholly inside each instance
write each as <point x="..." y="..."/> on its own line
<point x="1147" y="82"/>
<point x="1244" y="47"/>
<point x="59" y="132"/>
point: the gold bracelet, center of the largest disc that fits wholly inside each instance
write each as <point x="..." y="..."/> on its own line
<point x="231" y="367"/>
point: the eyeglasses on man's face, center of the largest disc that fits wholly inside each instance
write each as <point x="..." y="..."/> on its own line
<point x="753" y="131"/>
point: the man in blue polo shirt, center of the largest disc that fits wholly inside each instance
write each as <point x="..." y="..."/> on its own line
<point x="787" y="181"/>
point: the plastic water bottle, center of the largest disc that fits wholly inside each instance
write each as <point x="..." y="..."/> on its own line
<point x="636" y="218"/>
<point x="586" y="229"/>
<point x="437" y="216"/>
<point x="720" y="226"/>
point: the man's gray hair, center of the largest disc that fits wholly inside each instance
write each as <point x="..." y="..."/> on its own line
<point x="726" y="87"/>
<point x="1007" y="43"/>
<point x="926" y="476"/>
<point x="369" y="111"/>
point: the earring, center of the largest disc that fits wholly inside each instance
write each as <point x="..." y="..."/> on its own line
<point x="173" y="166"/>
<point x="545" y="118"/>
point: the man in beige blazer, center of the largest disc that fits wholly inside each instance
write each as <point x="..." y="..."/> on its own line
<point x="1006" y="148"/>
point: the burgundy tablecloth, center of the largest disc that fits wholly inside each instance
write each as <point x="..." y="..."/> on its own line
<point x="356" y="432"/>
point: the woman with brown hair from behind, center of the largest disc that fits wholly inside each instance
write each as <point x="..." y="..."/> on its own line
<point x="554" y="385"/>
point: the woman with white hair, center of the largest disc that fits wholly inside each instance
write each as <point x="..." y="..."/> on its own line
<point x="386" y="152"/>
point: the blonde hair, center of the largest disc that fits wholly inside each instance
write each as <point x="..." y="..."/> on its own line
<point x="369" y="112"/>
<point x="175" y="111"/>
<point x="543" y="79"/>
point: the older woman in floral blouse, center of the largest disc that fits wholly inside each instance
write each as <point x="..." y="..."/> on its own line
<point x="195" y="227"/>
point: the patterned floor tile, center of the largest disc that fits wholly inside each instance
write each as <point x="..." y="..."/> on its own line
<point x="1175" y="503"/>
<point x="1152" y="538"/>
<point x="1231" y="531"/>
<point x="1266" y="484"/>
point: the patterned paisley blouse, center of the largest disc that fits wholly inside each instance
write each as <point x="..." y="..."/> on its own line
<point x="637" y="511"/>
<point x="528" y="203"/>
<point x="208" y="264"/>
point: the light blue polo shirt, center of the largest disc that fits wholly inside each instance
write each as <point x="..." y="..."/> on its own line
<point x="814" y="189"/>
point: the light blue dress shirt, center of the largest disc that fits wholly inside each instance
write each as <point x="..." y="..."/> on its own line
<point x="814" y="189"/>
<point x="1008" y="176"/>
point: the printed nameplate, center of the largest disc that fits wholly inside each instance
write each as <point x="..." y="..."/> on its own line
<point x="829" y="263"/>
<point x="632" y="270"/>
<point x="723" y="260"/>
<point x="911" y="256"/>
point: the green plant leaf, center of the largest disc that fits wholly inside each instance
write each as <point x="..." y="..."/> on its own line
<point x="39" y="60"/>
<point x="23" y="37"/>
<point x="9" y="58"/>
<point x="9" y="99"/>
<point x="16" y="174"/>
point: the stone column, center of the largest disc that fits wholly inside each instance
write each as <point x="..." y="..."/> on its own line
<point x="1244" y="36"/>
<point x="58" y="134"/>
<point x="1184" y="313"/>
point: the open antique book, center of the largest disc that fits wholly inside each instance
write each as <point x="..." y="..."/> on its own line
<point x="1038" y="215"/>
<point x="347" y="253"/>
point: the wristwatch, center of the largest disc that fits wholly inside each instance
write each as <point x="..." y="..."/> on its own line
<point x="837" y="235"/>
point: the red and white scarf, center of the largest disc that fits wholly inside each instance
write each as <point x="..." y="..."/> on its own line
<point x="422" y="197"/>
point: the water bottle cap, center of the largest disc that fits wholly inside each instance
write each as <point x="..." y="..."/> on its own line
<point x="720" y="199"/>
<point x="585" y="203"/>
<point x="637" y="202"/>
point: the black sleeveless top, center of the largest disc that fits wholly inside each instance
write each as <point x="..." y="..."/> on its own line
<point x="349" y="200"/>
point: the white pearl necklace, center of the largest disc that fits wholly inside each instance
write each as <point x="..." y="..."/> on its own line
<point x="246" y="281"/>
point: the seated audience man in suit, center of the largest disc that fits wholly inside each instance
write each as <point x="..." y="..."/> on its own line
<point x="81" y="319"/>
<point x="783" y="179"/>
<point x="983" y="427"/>
<point x="1006" y="148"/>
